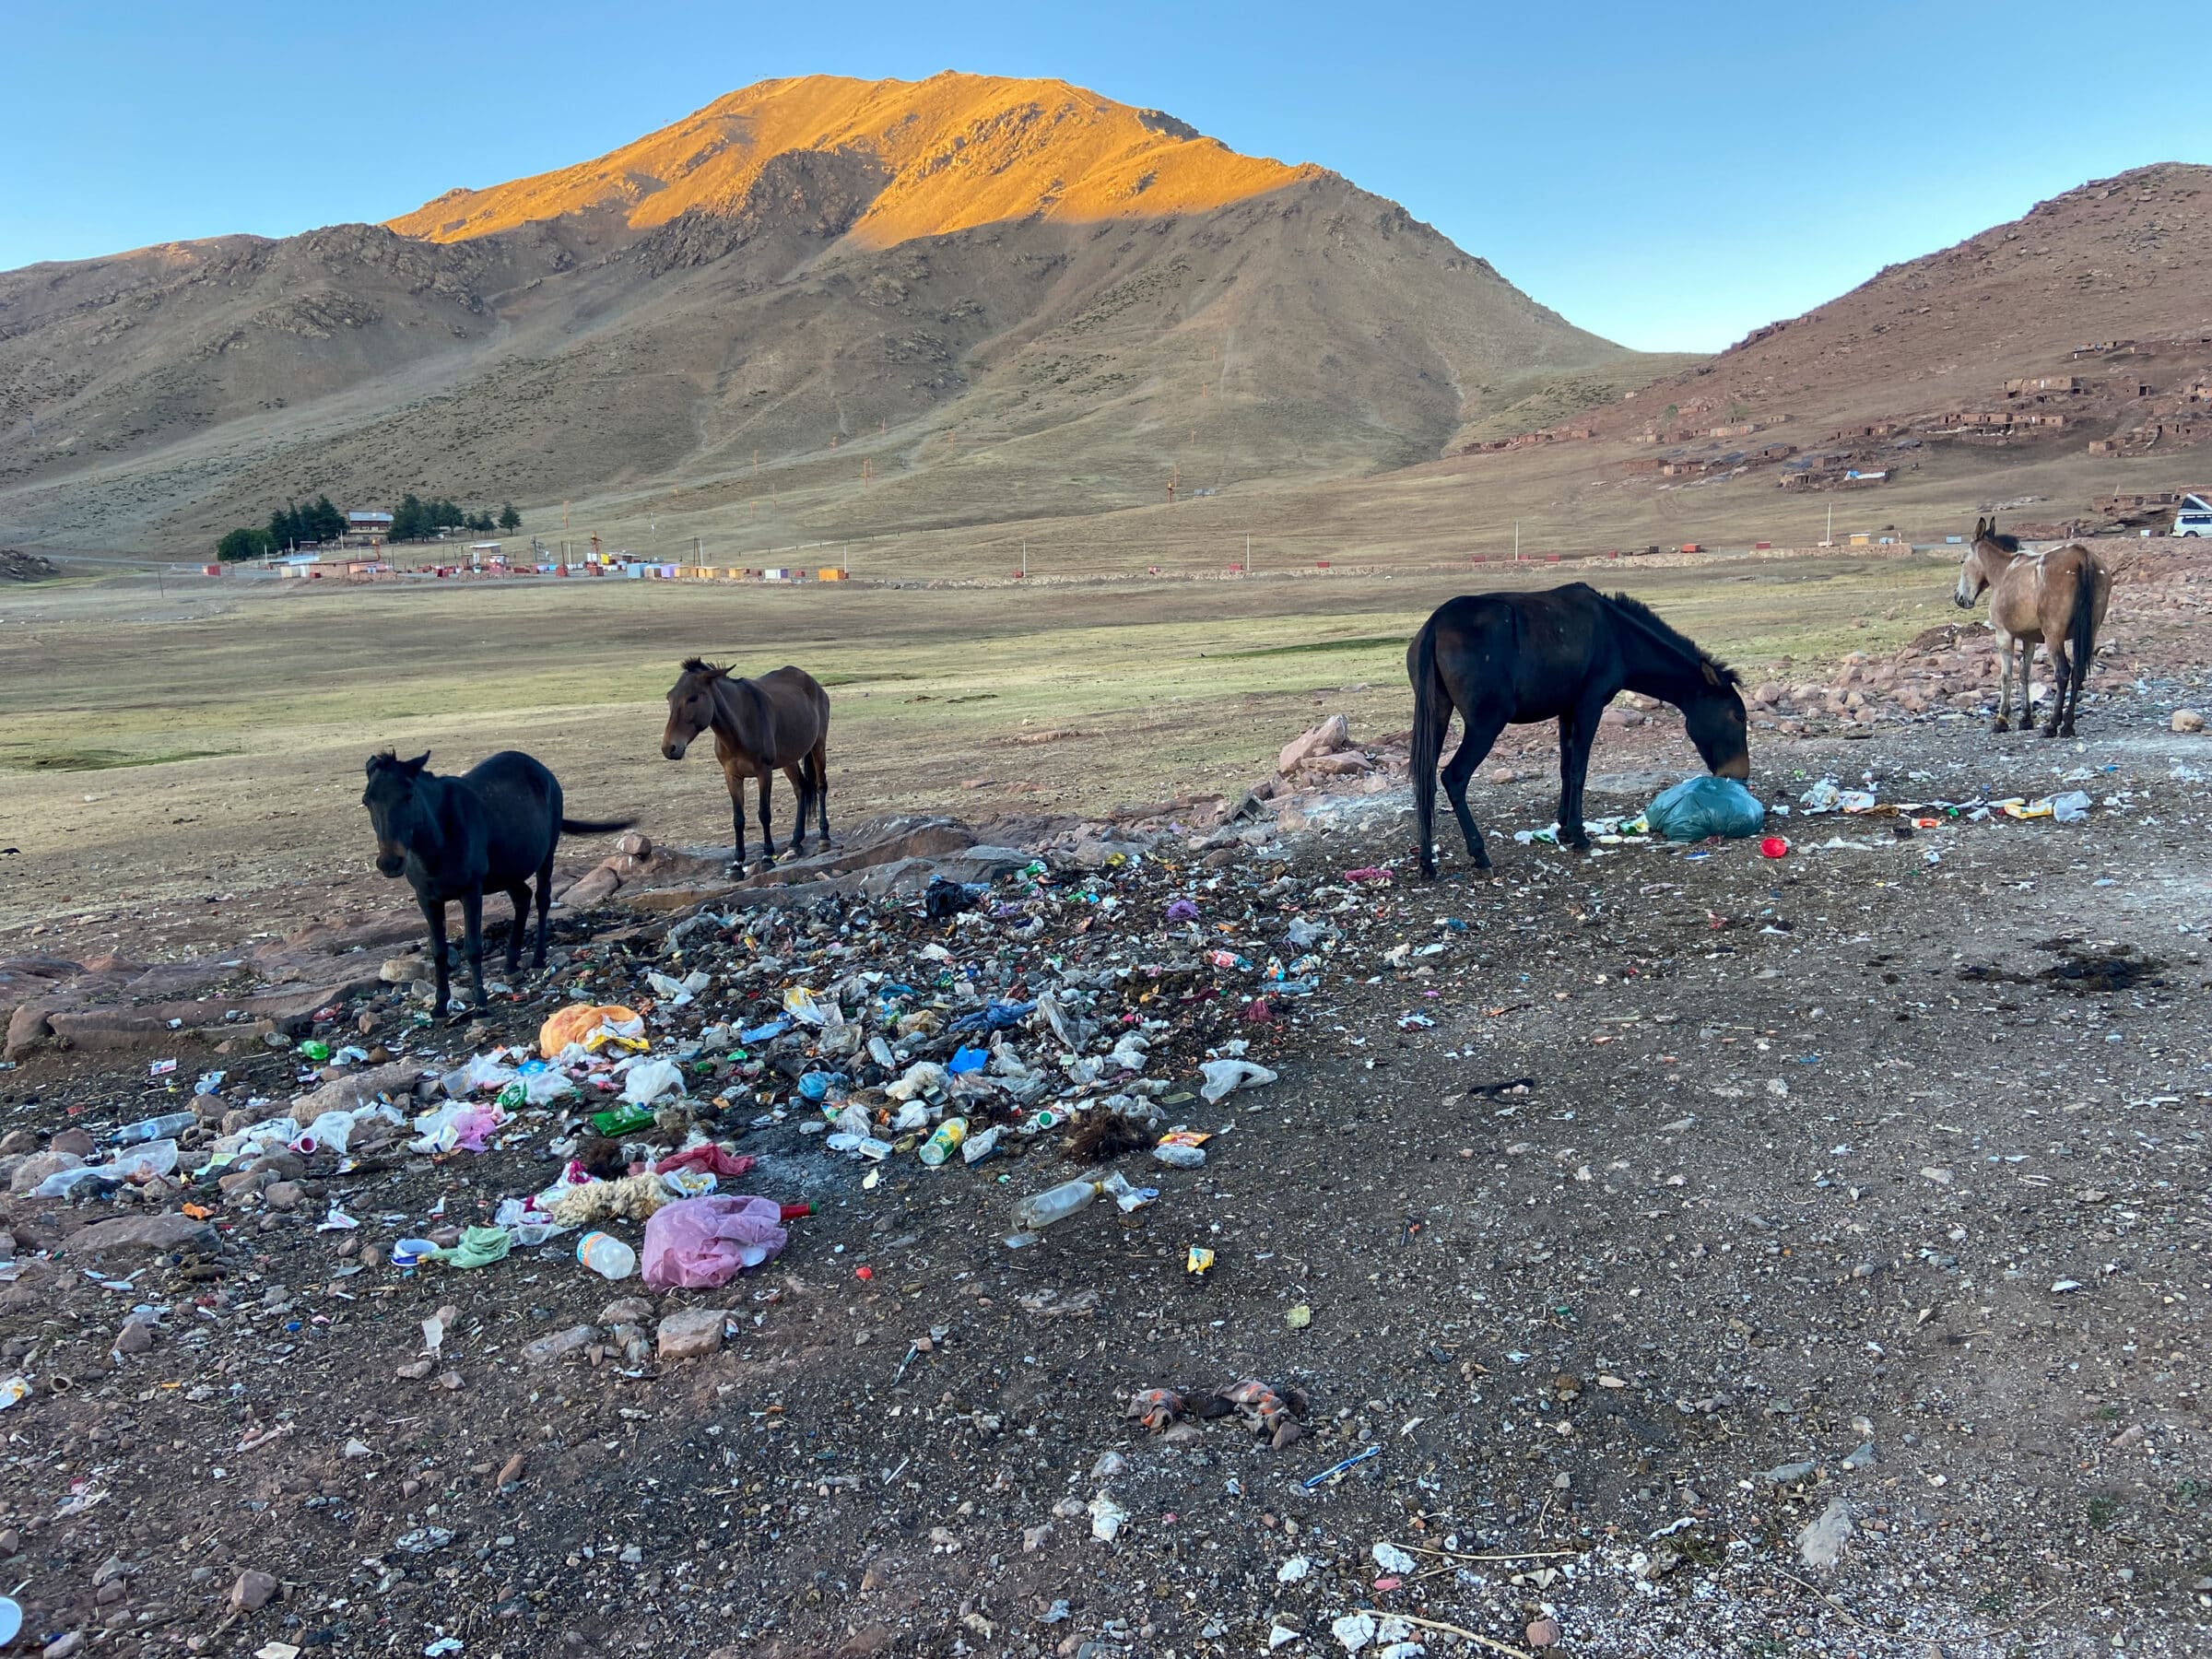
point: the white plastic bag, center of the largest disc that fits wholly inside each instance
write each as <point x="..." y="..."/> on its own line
<point x="648" y="1080"/>
<point x="1224" y="1077"/>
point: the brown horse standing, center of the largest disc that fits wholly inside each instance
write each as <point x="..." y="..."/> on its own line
<point x="781" y="719"/>
<point x="2056" y="598"/>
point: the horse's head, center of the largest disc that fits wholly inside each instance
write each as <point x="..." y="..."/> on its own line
<point x="690" y="706"/>
<point x="1717" y="724"/>
<point x="393" y="807"/>
<point x="1986" y="550"/>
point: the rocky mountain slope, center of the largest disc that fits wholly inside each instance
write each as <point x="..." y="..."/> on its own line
<point x="811" y="280"/>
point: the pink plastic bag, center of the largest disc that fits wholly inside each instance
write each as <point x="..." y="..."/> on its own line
<point x="702" y="1243"/>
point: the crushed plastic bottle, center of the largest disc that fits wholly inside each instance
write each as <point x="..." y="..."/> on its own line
<point x="153" y="1128"/>
<point x="607" y="1255"/>
<point x="1055" y="1205"/>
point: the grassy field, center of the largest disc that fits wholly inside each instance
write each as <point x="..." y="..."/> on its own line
<point x="156" y="744"/>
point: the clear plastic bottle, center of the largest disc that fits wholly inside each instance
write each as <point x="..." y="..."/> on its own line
<point x="153" y="1128"/>
<point x="1040" y="1210"/>
<point x="941" y="1144"/>
<point x="607" y="1255"/>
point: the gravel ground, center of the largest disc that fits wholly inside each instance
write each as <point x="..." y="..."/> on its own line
<point x="1642" y="1212"/>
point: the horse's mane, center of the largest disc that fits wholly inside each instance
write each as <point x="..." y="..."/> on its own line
<point x="1649" y="618"/>
<point x="2011" y="544"/>
<point x="695" y="666"/>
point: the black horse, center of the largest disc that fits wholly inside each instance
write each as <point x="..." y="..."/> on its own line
<point x="1513" y="659"/>
<point x="492" y="828"/>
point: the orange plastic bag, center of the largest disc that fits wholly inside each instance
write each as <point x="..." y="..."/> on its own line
<point x="577" y="1021"/>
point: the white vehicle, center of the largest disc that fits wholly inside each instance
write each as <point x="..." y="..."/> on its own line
<point x="2194" y="517"/>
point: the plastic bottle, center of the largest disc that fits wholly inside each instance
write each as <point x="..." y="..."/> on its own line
<point x="792" y="1212"/>
<point x="940" y="1145"/>
<point x="153" y="1128"/>
<point x="979" y="1147"/>
<point x="607" y="1255"/>
<point x="1055" y="1204"/>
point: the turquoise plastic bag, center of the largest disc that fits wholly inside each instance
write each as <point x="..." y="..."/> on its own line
<point x="1697" y="808"/>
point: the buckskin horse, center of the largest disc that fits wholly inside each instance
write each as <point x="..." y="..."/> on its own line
<point x="2056" y="598"/>
<point x="780" y="720"/>
<point x="1515" y="659"/>
<point x="490" y="829"/>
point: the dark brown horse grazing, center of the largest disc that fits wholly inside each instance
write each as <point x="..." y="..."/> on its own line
<point x="1514" y="659"/>
<point x="780" y="720"/>
<point x="2056" y="597"/>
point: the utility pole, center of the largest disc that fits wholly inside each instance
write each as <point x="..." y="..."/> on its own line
<point x="1831" y="526"/>
<point x="1025" y="559"/>
<point x="1516" y="541"/>
<point x="1248" y="553"/>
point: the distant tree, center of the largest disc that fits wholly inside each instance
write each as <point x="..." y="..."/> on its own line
<point x="325" y="522"/>
<point x="509" y="518"/>
<point x="249" y="541"/>
<point x="409" y="521"/>
<point x="445" y="515"/>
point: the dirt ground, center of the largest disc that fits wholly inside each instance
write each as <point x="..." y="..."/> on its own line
<point x="1874" y="1173"/>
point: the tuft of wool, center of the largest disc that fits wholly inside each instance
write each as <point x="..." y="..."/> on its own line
<point x="632" y="1198"/>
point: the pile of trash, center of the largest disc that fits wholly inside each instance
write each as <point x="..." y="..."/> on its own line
<point x="1103" y="1005"/>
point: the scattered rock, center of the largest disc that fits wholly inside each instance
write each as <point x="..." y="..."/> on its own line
<point x="253" y="1590"/>
<point x="135" y="1337"/>
<point x="558" y="1346"/>
<point x="1544" y="1632"/>
<point x="1821" y="1542"/>
<point x="691" y="1334"/>
<point x="2188" y="720"/>
<point x="168" y="1230"/>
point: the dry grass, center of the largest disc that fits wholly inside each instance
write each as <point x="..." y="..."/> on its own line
<point x="979" y="699"/>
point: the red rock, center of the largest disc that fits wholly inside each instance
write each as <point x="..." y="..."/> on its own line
<point x="253" y="1590"/>
<point x="1326" y="738"/>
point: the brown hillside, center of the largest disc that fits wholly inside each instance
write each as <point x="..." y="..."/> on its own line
<point x="963" y="299"/>
<point x="2090" y="298"/>
<point x="2058" y="368"/>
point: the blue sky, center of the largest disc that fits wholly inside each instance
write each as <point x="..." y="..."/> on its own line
<point x="1669" y="176"/>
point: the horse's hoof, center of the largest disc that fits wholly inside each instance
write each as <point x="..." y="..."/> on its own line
<point x="2000" y="725"/>
<point x="2049" y="731"/>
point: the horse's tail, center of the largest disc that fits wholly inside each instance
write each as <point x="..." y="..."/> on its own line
<point x="570" y="826"/>
<point x="2081" y="636"/>
<point x="1431" y="714"/>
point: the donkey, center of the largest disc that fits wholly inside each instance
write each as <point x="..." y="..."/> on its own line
<point x="1514" y="659"/>
<point x="781" y="719"/>
<point x="2056" y="598"/>
<point x="492" y="828"/>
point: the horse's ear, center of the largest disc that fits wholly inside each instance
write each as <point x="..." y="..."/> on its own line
<point x="414" y="768"/>
<point x="1711" y="677"/>
<point x="1981" y="528"/>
